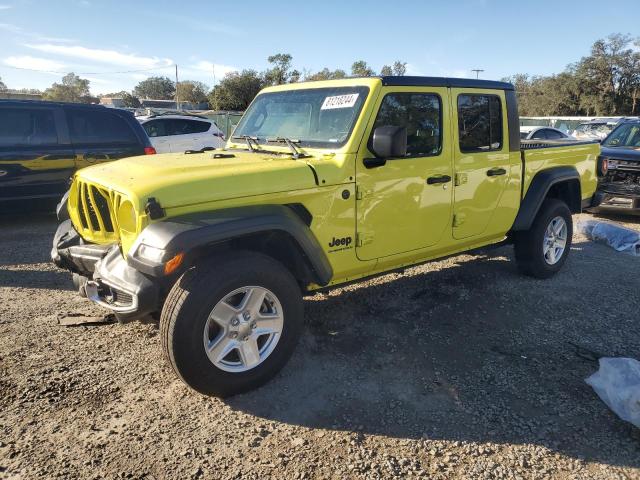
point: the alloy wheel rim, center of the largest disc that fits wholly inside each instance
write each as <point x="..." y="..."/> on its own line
<point x="243" y="329"/>
<point x="555" y="240"/>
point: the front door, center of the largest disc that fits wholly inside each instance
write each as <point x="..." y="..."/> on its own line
<point x="405" y="204"/>
<point x="483" y="164"/>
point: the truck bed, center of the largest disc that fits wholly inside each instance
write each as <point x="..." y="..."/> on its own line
<point x="538" y="155"/>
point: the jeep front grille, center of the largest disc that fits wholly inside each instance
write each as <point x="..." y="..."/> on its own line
<point x="95" y="212"/>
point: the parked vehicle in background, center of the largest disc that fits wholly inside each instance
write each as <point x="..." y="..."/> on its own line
<point x="619" y="164"/>
<point x="323" y="183"/>
<point x="595" y="129"/>
<point x="179" y="133"/>
<point x="543" y="133"/>
<point x="43" y="143"/>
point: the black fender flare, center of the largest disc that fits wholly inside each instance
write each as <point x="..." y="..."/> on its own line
<point x="538" y="191"/>
<point x="186" y="233"/>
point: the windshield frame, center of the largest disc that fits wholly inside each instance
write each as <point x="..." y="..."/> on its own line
<point x="363" y="90"/>
<point x="620" y="127"/>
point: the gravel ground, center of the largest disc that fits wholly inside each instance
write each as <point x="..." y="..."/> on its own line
<point x="459" y="368"/>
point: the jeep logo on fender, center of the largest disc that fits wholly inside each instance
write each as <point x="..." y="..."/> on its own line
<point x="344" y="242"/>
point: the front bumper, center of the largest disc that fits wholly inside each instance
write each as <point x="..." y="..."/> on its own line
<point x="102" y="275"/>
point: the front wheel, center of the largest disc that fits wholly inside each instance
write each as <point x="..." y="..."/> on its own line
<point x="231" y="323"/>
<point x="542" y="250"/>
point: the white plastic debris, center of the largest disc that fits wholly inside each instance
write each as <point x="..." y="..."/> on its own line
<point x="617" y="383"/>
<point x="619" y="238"/>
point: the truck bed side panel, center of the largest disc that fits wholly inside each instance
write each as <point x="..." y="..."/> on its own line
<point x="539" y="156"/>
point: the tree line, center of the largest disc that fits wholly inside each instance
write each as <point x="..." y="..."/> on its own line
<point x="234" y="92"/>
<point x="605" y="82"/>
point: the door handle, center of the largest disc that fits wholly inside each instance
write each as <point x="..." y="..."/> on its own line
<point x="494" y="172"/>
<point x="438" y="179"/>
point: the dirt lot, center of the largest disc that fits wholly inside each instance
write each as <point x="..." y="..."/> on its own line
<point x="458" y="368"/>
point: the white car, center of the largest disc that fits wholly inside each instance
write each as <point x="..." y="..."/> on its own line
<point x="543" y="133"/>
<point x="179" y="133"/>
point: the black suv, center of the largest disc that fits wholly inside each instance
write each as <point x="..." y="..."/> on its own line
<point x="619" y="164"/>
<point x="43" y="143"/>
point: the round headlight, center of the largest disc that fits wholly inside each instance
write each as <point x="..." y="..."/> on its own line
<point x="127" y="217"/>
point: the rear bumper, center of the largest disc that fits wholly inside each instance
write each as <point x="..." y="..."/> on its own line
<point x="102" y="275"/>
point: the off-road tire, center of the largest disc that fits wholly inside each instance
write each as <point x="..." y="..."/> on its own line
<point x="528" y="244"/>
<point x="193" y="297"/>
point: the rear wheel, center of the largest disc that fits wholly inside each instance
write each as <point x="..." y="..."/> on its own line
<point x="542" y="250"/>
<point x="231" y="324"/>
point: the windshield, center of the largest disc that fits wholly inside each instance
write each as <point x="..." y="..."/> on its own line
<point x="316" y="117"/>
<point x="626" y="135"/>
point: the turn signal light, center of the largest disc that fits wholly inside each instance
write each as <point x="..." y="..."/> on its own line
<point x="604" y="166"/>
<point x="149" y="151"/>
<point x="173" y="264"/>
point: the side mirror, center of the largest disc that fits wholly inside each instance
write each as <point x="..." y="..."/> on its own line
<point x="389" y="141"/>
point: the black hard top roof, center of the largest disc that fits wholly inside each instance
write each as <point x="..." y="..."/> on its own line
<point x="46" y="103"/>
<point x="410" y="81"/>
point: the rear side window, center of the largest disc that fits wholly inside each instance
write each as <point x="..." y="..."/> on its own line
<point x="186" y="127"/>
<point x="155" y="128"/>
<point x="540" y="135"/>
<point x="421" y="114"/>
<point x="479" y="123"/>
<point x="553" y="135"/>
<point x="24" y="127"/>
<point x="98" y="127"/>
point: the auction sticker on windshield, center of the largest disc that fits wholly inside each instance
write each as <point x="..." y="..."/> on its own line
<point x="340" y="101"/>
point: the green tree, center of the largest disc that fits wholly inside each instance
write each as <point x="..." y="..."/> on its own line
<point x="157" y="88"/>
<point x="130" y="100"/>
<point x="192" y="91"/>
<point x="72" y="89"/>
<point x="360" y="68"/>
<point x="326" y="74"/>
<point x="3" y="87"/>
<point x="280" y="71"/>
<point x="398" y="69"/>
<point x="236" y="90"/>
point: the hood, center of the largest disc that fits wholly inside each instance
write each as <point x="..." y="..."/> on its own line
<point x="187" y="179"/>
<point x="621" y="153"/>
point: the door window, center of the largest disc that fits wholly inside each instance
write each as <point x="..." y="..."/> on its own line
<point x="24" y="126"/>
<point x="421" y="114"/>
<point x="98" y="127"/>
<point x="479" y="123"/>
<point x="186" y="127"/>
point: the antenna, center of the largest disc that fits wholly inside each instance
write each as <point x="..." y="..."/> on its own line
<point x="478" y="71"/>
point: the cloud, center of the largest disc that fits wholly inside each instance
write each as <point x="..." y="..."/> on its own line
<point x="34" y="63"/>
<point x="98" y="55"/>
<point x="16" y="30"/>
<point x="5" y="7"/>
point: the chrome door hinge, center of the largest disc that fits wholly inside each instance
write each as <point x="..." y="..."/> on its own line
<point x="363" y="238"/>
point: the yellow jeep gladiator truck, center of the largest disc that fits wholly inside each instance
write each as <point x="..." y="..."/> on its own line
<point x="322" y="183"/>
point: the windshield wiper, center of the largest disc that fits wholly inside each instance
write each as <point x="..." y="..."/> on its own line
<point x="291" y="144"/>
<point x="248" y="139"/>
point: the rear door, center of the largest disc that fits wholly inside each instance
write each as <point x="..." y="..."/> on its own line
<point x="405" y="204"/>
<point x="36" y="158"/>
<point x="482" y="161"/>
<point x="99" y="135"/>
<point x="187" y="134"/>
<point x="157" y="132"/>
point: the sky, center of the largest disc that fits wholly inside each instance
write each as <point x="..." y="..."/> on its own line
<point x="115" y="44"/>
